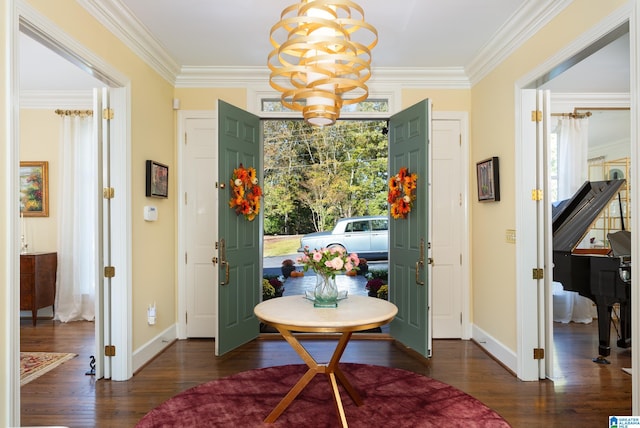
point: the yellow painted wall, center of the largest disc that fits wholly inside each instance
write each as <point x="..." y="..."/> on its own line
<point x="493" y="134"/>
<point x="205" y="98"/>
<point x="441" y="99"/>
<point x="39" y="141"/>
<point x="152" y="137"/>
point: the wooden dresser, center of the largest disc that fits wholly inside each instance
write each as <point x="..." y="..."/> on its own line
<point x="37" y="282"/>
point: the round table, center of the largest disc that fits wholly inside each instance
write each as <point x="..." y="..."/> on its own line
<point x="296" y="313"/>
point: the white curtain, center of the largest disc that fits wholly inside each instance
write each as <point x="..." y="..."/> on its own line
<point x="77" y="212"/>
<point x="573" y="146"/>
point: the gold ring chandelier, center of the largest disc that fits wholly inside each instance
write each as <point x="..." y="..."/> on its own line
<point x="321" y="53"/>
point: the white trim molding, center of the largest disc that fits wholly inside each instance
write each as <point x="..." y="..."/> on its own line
<point x="525" y="22"/>
<point x="56" y="99"/>
<point x="118" y="19"/>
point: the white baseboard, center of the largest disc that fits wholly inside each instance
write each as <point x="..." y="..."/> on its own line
<point x="496" y="349"/>
<point x="146" y="352"/>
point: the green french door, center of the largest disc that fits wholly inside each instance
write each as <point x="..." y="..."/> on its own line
<point x="409" y="253"/>
<point x="239" y="240"/>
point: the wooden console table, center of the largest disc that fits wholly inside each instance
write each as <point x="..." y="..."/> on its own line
<point x="37" y="282"/>
<point x="294" y="313"/>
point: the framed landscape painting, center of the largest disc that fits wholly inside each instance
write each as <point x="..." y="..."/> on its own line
<point x="34" y="189"/>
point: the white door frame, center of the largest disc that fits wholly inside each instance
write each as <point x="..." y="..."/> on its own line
<point x="628" y="13"/>
<point x="22" y="14"/>
<point x="463" y="118"/>
<point x="183" y="116"/>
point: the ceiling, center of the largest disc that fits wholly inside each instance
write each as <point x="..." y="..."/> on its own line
<point x="413" y="34"/>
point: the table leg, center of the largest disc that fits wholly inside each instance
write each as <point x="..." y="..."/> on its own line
<point x="333" y="372"/>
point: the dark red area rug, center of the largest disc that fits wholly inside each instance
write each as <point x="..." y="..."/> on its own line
<point x="392" y="398"/>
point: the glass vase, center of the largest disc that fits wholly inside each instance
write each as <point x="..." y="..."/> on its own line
<point x="326" y="292"/>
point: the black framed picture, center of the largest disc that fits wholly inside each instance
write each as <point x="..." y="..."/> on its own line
<point x="488" y="180"/>
<point x="157" y="180"/>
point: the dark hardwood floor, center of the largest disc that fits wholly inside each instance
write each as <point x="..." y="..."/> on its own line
<point x="584" y="393"/>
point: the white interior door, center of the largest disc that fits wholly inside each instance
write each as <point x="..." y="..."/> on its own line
<point x="200" y="172"/>
<point x="446" y="238"/>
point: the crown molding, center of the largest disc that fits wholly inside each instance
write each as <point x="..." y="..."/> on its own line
<point x="66" y="100"/>
<point x="233" y="77"/>
<point x="118" y="19"/>
<point x="569" y="100"/>
<point x="523" y="24"/>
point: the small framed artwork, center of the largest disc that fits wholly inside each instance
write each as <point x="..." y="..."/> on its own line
<point x="488" y="180"/>
<point x="34" y="189"/>
<point x="157" y="180"/>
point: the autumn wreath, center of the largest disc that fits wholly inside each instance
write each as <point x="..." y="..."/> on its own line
<point x="246" y="192"/>
<point x="402" y="188"/>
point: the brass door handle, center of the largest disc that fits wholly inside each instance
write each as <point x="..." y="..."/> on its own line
<point x="223" y="262"/>
<point x="419" y="264"/>
<point x="214" y="260"/>
<point x="226" y="272"/>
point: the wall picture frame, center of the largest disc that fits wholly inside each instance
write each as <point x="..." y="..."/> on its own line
<point x="34" y="189"/>
<point x="157" y="185"/>
<point x="488" y="180"/>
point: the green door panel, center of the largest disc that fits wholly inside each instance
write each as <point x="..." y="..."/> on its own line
<point x="240" y="249"/>
<point x="409" y="134"/>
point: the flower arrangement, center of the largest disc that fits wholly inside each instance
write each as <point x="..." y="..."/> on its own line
<point x="268" y="292"/>
<point x="383" y="292"/>
<point x="272" y="287"/>
<point x="401" y="195"/>
<point x="328" y="261"/>
<point x="246" y="192"/>
<point x="374" y="285"/>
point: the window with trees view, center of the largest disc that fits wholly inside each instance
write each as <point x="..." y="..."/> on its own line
<point x="313" y="176"/>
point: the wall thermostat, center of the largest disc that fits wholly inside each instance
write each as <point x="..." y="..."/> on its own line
<point x="150" y="213"/>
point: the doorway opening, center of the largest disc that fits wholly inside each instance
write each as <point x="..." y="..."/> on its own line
<point x="573" y="82"/>
<point x="314" y="177"/>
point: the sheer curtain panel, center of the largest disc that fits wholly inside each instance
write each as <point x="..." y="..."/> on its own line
<point x="77" y="226"/>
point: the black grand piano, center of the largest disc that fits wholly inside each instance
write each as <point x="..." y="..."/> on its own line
<point x="594" y="273"/>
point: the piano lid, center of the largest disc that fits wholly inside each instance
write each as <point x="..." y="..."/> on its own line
<point x="572" y="218"/>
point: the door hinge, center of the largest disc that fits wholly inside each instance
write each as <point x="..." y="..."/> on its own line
<point x="538" y="273"/>
<point x="185" y="198"/>
<point x="185" y="138"/>
<point x="108" y="193"/>
<point x="107" y="113"/>
<point x="109" y="271"/>
<point x="109" y="351"/>
<point x="538" y="353"/>
<point x="186" y="317"/>
<point x="185" y="258"/>
<point x="536" y="195"/>
<point x="536" y="116"/>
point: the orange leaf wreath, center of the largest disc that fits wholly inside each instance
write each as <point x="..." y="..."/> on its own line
<point x="246" y="192"/>
<point x="402" y="187"/>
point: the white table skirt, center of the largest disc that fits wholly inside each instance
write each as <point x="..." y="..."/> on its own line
<point x="570" y="306"/>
